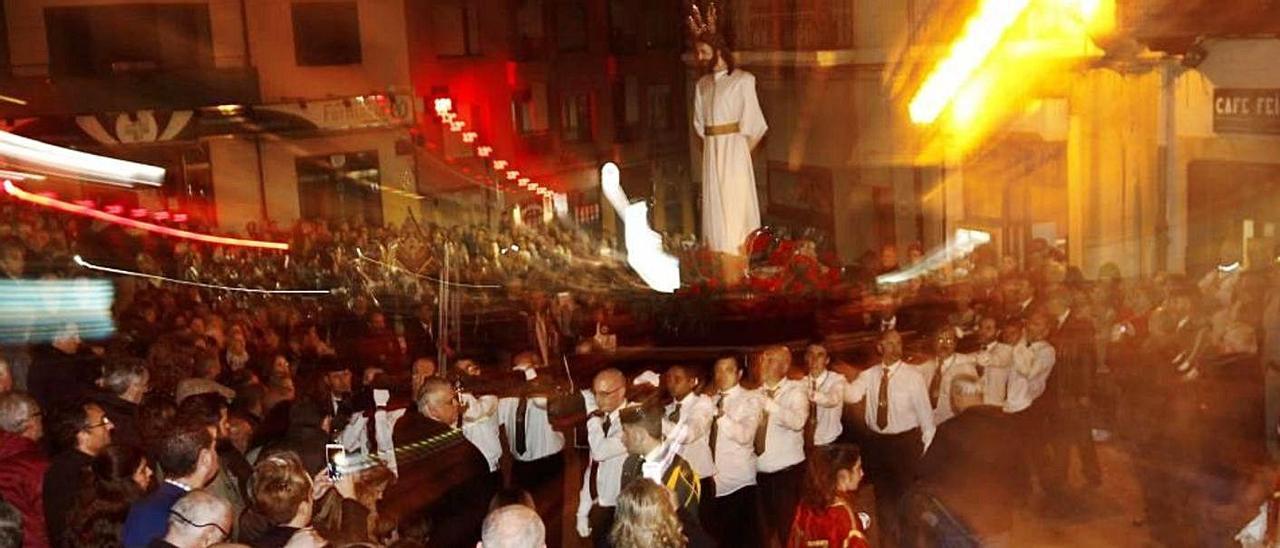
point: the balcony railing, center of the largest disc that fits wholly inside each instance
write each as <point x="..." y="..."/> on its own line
<point x="127" y="92"/>
<point x="805" y="25"/>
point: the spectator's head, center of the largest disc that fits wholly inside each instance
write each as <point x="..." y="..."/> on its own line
<point x="527" y="358"/>
<point x="830" y="474"/>
<point x="966" y="392"/>
<point x="727" y="372"/>
<point x="1058" y="302"/>
<point x="646" y="517"/>
<point x="438" y="401"/>
<point x="680" y="381"/>
<point x="67" y="339"/>
<point x="279" y="369"/>
<point x="513" y="526"/>
<point x="199" y="519"/>
<point x="610" y="389"/>
<point x="377" y="322"/>
<point x="127" y="378"/>
<point x="82" y="426"/>
<point x="511" y="495"/>
<point x="208" y="366"/>
<point x="13" y="259"/>
<point x="641" y="428"/>
<point x="466" y="367"/>
<point x="10" y="525"/>
<point x="944" y="342"/>
<point x="6" y="377"/>
<point x="816" y="358"/>
<point x="281" y="489"/>
<point x="890" y="347"/>
<point x="1038" y="327"/>
<point x="337" y="377"/>
<point x="1012" y="331"/>
<point x="187" y="453"/>
<point x="20" y="415"/>
<point x="423" y="369"/>
<point x="121" y="472"/>
<point x="309" y="414"/>
<point x="209" y="410"/>
<point x="279" y="389"/>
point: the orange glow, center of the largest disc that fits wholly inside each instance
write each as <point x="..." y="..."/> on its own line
<point x="68" y="207"/>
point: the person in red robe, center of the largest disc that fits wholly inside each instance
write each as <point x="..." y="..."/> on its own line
<point x="826" y="515"/>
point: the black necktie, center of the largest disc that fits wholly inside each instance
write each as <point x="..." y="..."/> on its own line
<point x="595" y="465"/>
<point x="715" y="423"/>
<point x="521" y="411"/>
<point x="935" y="386"/>
<point x="882" y="405"/>
<point x="762" y="431"/>
<point x="674" y="417"/>
<point x="811" y="425"/>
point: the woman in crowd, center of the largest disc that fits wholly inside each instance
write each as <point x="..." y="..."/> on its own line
<point x="646" y="518"/>
<point x="281" y="492"/>
<point x="826" y="513"/>
<point x="117" y="477"/>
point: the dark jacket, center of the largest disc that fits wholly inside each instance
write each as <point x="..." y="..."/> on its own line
<point x="22" y="468"/>
<point x="421" y="343"/>
<point x="443" y="477"/>
<point x="972" y="468"/>
<point x="1075" y="363"/>
<point x="62" y="483"/>
<point x="149" y="517"/>
<point x="124" y="419"/>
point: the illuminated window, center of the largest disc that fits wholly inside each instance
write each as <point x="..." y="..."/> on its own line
<point x="575" y="118"/>
<point x="326" y="34"/>
<point x="529" y="109"/>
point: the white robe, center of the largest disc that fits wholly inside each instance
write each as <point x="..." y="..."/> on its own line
<point x="730" y="208"/>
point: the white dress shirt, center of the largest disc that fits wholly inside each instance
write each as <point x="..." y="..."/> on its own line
<point x="827" y="393"/>
<point x="541" y="440"/>
<point x="696" y="413"/>
<point x="908" y="399"/>
<point x="609" y="454"/>
<point x="996" y="360"/>
<point x="786" y="410"/>
<point x="480" y="426"/>
<point x="1032" y="364"/>
<point x="951" y="367"/>
<point x="735" y="454"/>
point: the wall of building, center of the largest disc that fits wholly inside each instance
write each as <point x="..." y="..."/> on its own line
<point x="26" y="25"/>
<point x="384" y="54"/>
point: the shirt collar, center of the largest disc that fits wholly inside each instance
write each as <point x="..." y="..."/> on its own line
<point x="688" y="398"/>
<point x="653" y="456"/>
<point x="179" y="485"/>
<point x="891" y="368"/>
<point x="1063" y="317"/>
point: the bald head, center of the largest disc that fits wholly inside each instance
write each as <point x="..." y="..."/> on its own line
<point x="610" y="389"/>
<point x="514" y="526"/>
<point x="199" y="518"/>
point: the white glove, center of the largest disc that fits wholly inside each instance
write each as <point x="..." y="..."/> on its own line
<point x="584" y="528"/>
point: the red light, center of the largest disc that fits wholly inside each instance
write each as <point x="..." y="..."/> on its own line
<point x="499" y="165"/>
<point x="60" y="205"/>
<point x="512" y="175"/>
<point x="180" y="217"/>
<point x="49" y="194"/>
<point x="511" y="73"/>
<point x="115" y="209"/>
<point x="85" y="203"/>
<point x="484" y="152"/>
<point x="443" y="105"/>
<point x="160" y="215"/>
<point x="138" y="212"/>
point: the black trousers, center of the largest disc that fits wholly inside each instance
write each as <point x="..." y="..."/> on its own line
<point x="729" y="518"/>
<point x="601" y="520"/>
<point x="779" y="494"/>
<point x="707" y="503"/>
<point x="890" y="461"/>
<point x="544" y="480"/>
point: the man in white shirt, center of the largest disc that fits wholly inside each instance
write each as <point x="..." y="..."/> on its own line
<point x="536" y="448"/>
<point x="994" y="360"/>
<point x="480" y="426"/>
<point x="733" y="429"/>
<point x="940" y="370"/>
<point x="1033" y="361"/>
<point x="695" y="411"/>
<point x="826" y="397"/>
<point x="602" y="480"/>
<point x="901" y="424"/>
<point x="779" y="442"/>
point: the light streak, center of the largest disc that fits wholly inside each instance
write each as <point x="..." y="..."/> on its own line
<point x="964" y="242"/>
<point x="52" y="160"/>
<point x="660" y="271"/>
<point x="68" y="207"/>
<point x="980" y="36"/>
<point x="86" y="264"/>
<point x="360" y="254"/>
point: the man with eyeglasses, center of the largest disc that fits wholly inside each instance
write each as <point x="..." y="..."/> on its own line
<point x="602" y="479"/>
<point x="80" y="432"/>
<point x="199" y="519"/>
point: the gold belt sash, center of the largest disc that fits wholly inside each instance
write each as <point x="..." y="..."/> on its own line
<point x="722" y="129"/>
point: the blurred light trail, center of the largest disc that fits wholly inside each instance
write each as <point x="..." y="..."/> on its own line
<point x="68" y="207"/>
<point x="51" y="160"/>
<point x="86" y="264"/>
<point x="963" y="243"/>
<point x="980" y="36"/>
<point x="644" y="246"/>
<point x="38" y="311"/>
<point x="397" y="268"/>
<point x="13" y="100"/>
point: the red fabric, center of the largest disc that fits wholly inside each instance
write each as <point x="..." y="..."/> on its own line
<point x="22" y="467"/>
<point x="835" y="527"/>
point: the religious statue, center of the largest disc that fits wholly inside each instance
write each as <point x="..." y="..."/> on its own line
<point x="728" y="119"/>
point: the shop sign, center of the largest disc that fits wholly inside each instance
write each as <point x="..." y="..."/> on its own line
<point x="1246" y="111"/>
